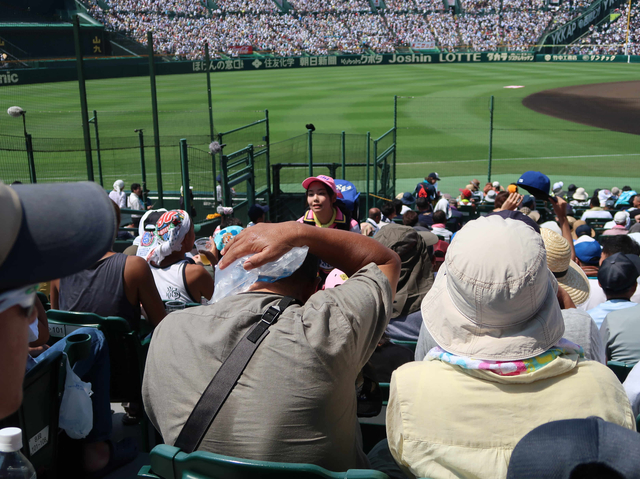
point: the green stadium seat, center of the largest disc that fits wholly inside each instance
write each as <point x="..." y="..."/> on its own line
<point x="620" y="369"/>
<point x="468" y="212"/>
<point x="127" y="353"/>
<point x="38" y="414"/>
<point x="168" y="462"/>
<point x="596" y="223"/>
<point x="407" y="344"/>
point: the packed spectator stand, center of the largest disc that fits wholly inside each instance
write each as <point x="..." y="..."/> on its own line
<point x="591" y="247"/>
<point x="319" y="27"/>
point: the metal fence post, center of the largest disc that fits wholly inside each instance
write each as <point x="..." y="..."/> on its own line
<point x="268" y="165"/>
<point x="251" y="191"/>
<point x="310" y="151"/>
<point x="184" y="163"/>
<point x="83" y="97"/>
<point x="368" y="167"/>
<point x="223" y="175"/>
<point x="32" y="165"/>
<point x="395" y="142"/>
<point x="143" y="166"/>
<point x="94" y="120"/>
<point x="156" y="126"/>
<point x="490" y="138"/>
<point x="226" y="191"/>
<point x="375" y="167"/>
<point x="208" y="62"/>
<point x="343" y="154"/>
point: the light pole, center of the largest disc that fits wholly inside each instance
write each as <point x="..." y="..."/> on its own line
<point x="15" y="112"/>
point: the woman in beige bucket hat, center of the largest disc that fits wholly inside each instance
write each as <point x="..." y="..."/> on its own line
<point x="501" y="368"/>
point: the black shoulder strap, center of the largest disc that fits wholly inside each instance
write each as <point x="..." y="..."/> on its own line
<point x="226" y="378"/>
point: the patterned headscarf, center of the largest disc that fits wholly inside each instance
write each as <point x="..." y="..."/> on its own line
<point x="171" y="229"/>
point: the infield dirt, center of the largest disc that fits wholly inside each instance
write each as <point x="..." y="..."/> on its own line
<point x="612" y="106"/>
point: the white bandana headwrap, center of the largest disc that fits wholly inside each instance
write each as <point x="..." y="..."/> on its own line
<point x="171" y="229"/>
<point x="118" y="186"/>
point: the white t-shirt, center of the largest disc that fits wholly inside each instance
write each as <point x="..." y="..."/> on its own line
<point x="119" y="199"/>
<point x="605" y="215"/>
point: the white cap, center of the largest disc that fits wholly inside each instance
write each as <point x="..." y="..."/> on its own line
<point x="558" y="186"/>
<point x="496" y="184"/>
<point x="10" y="439"/>
<point x="621" y="217"/>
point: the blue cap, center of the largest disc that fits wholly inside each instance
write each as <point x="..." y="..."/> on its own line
<point x="588" y="252"/>
<point x="535" y="183"/>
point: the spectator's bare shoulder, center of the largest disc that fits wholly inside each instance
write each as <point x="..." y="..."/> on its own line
<point x="199" y="281"/>
<point x="136" y="266"/>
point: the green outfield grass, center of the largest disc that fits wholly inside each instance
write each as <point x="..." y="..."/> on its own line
<point x="444" y="127"/>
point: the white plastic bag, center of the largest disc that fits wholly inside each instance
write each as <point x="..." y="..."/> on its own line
<point x="235" y="279"/>
<point x="76" y="411"/>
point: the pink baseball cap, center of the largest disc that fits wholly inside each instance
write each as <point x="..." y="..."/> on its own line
<point x="327" y="180"/>
<point x="335" y="278"/>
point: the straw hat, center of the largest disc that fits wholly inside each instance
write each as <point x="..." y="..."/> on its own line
<point x="570" y="276"/>
<point x="494" y="297"/>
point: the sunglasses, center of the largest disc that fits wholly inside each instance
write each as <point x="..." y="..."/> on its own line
<point x="24" y="297"/>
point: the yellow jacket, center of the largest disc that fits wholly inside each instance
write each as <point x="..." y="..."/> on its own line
<point x="447" y="422"/>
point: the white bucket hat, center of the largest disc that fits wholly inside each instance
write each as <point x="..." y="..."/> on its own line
<point x="580" y="194"/>
<point x="494" y="297"/>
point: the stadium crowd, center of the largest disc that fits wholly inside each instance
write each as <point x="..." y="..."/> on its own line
<point x="319" y="27"/>
<point x="610" y="38"/>
<point x="512" y="303"/>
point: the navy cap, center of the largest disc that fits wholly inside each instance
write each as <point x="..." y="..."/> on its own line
<point x="572" y="188"/>
<point x="433" y="175"/>
<point x="559" y="449"/>
<point x="256" y="211"/>
<point x="588" y="252"/>
<point x="619" y="272"/>
<point x="54" y="235"/>
<point x="535" y="183"/>
<point x="583" y="230"/>
<point x="408" y="199"/>
<point x="528" y="201"/>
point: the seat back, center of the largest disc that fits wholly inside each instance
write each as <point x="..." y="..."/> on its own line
<point x="620" y="369"/>
<point x="407" y="344"/>
<point x="168" y="462"/>
<point x="126" y="351"/>
<point x="38" y="415"/>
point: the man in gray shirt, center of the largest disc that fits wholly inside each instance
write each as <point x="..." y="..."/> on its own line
<point x="620" y="332"/>
<point x="296" y="400"/>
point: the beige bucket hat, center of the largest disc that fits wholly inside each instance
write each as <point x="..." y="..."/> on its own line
<point x="494" y="297"/>
<point x="570" y="276"/>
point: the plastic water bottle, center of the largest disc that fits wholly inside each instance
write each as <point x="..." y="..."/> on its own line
<point x="13" y="465"/>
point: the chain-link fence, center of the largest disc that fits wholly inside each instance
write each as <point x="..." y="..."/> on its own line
<point x="346" y="156"/>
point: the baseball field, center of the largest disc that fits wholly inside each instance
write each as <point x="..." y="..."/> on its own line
<point x="444" y="116"/>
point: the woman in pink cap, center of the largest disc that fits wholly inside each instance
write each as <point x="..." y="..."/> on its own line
<point x="323" y="211"/>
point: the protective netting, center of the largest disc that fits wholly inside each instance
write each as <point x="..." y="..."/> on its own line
<point x="452" y="137"/>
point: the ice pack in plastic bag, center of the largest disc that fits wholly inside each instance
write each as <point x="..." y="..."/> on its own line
<point x="76" y="410"/>
<point x="235" y="279"/>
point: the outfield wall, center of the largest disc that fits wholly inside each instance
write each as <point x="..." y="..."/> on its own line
<point x="132" y="67"/>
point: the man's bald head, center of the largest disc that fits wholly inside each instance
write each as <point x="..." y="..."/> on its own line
<point x="375" y="214"/>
